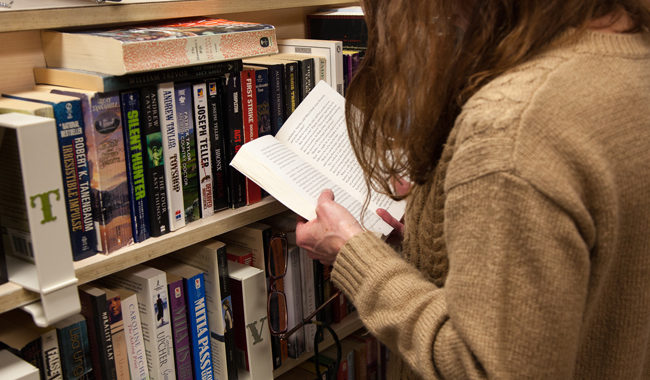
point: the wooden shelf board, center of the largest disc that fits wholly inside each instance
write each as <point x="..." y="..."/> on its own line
<point x="100" y="265"/>
<point x="350" y="324"/>
<point x="32" y="19"/>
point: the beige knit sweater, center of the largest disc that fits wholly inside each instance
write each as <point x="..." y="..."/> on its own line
<point x="539" y="217"/>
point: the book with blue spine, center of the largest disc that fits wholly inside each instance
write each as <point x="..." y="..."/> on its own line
<point x="133" y="152"/>
<point x="276" y="89"/>
<point x="74" y="167"/>
<point x="187" y="149"/>
<point x="74" y="347"/>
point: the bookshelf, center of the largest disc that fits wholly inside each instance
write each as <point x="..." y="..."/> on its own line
<point x="21" y="51"/>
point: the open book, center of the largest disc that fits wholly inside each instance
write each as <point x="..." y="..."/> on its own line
<point x="310" y="153"/>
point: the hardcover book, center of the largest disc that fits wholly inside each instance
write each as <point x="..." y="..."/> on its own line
<point x="210" y="257"/>
<point x="250" y="128"/>
<point x="94" y="309"/>
<point x="155" y="46"/>
<point x="96" y="81"/>
<point x="74" y="168"/>
<point x="252" y="336"/>
<point x="107" y="164"/>
<point x="197" y="313"/>
<point x="217" y="129"/>
<point x="150" y="285"/>
<point x="139" y="203"/>
<point x="155" y="184"/>
<point x="171" y="155"/>
<point x="187" y="150"/>
<point x="203" y="149"/>
<point x="331" y="50"/>
<point x="294" y="166"/>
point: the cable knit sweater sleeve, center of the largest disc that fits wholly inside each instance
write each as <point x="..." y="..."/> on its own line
<point x="509" y="308"/>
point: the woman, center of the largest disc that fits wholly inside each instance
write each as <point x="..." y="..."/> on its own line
<point x="524" y="129"/>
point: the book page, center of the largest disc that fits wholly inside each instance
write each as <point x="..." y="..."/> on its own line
<point x="295" y="182"/>
<point x="317" y="129"/>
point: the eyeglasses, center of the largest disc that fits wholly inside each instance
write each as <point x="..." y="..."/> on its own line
<point x="277" y="260"/>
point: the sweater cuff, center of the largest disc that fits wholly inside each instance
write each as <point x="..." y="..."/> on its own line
<point x="362" y="254"/>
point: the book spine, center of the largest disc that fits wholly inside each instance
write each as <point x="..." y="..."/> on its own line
<point x="236" y="180"/>
<point x="250" y="128"/>
<point x="171" y="153"/>
<point x="216" y="126"/>
<point x="76" y="178"/>
<point x="114" y="307"/>
<point x="291" y="88"/>
<point x="263" y="96"/>
<point x="308" y="76"/>
<point x="187" y="149"/>
<point x="165" y="53"/>
<point x="293" y="293"/>
<point x="180" y="330"/>
<point x="74" y="350"/>
<point x="203" y="148"/>
<point x="134" y="339"/>
<point x="276" y="96"/>
<point x="199" y="328"/>
<point x="226" y="306"/>
<point x="93" y="308"/>
<point x="308" y="298"/>
<point x="110" y="165"/>
<point x="131" y="116"/>
<point x="51" y="357"/>
<point x="154" y="163"/>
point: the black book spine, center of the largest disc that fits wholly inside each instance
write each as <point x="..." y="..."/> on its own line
<point x="226" y="300"/>
<point x="93" y="308"/>
<point x="276" y="102"/>
<point x="216" y="125"/>
<point x="153" y="162"/>
<point x="236" y="180"/>
<point x="291" y="88"/>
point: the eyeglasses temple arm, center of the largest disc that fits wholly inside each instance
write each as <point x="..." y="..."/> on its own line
<point x="311" y="316"/>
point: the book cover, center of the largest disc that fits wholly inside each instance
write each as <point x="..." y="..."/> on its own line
<point x="51" y="356"/>
<point x="187" y="150"/>
<point x="97" y="81"/>
<point x="74" y="347"/>
<point x="250" y="128"/>
<point x="114" y="305"/>
<point x="254" y="237"/>
<point x="155" y="184"/>
<point x="180" y="325"/>
<point x="133" y="333"/>
<point x="239" y="254"/>
<point x="107" y="165"/>
<point x="217" y="128"/>
<point x="13" y="367"/>
<point x="74" y="168"/>
<point x="331" y="50"/>
<point x="235" y="127"/>
<point x="276" y="89"/>
<point x="171" y="155"/>
<point x="139" y="205"/>
<point x="158" y="45"/>
<point x="150" y="285"/>
<point x="252" y="337"/>
<point x="203" y="149"/>
<point x="311" y="148"/>
<point x="94" y="309"/>
<point x="346" y="24"/>
<point x="210" y="257"/>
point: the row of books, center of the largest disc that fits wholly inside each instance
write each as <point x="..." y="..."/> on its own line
<point x="157" y="144"/>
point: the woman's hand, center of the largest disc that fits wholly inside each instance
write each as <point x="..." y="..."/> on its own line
<point x="395" y="238"/>
<point x="324" y="236"/>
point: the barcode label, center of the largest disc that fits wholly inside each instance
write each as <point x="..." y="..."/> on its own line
<point x="20" y="244"/>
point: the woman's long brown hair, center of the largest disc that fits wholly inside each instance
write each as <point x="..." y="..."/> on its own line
<point x="420" y="68"/>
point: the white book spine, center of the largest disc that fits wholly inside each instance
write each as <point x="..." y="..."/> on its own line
<point x="150" y="285"/>
<point x="308" y="297"/>
<point x="171" y="152"/>
<point x="203" y="149"/>
<point x="134" y="338"/>
<point x="204" y="257"/>
<point x="51" y="356"/>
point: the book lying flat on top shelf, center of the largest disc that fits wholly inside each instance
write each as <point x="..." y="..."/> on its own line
<point x="310" y="153"/>
<point x="155" y="46"/>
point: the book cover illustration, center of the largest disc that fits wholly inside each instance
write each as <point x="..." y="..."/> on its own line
<point x="161" y="309"/>
<point x="187" y="148"/>
<point x="139" y="203"/>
